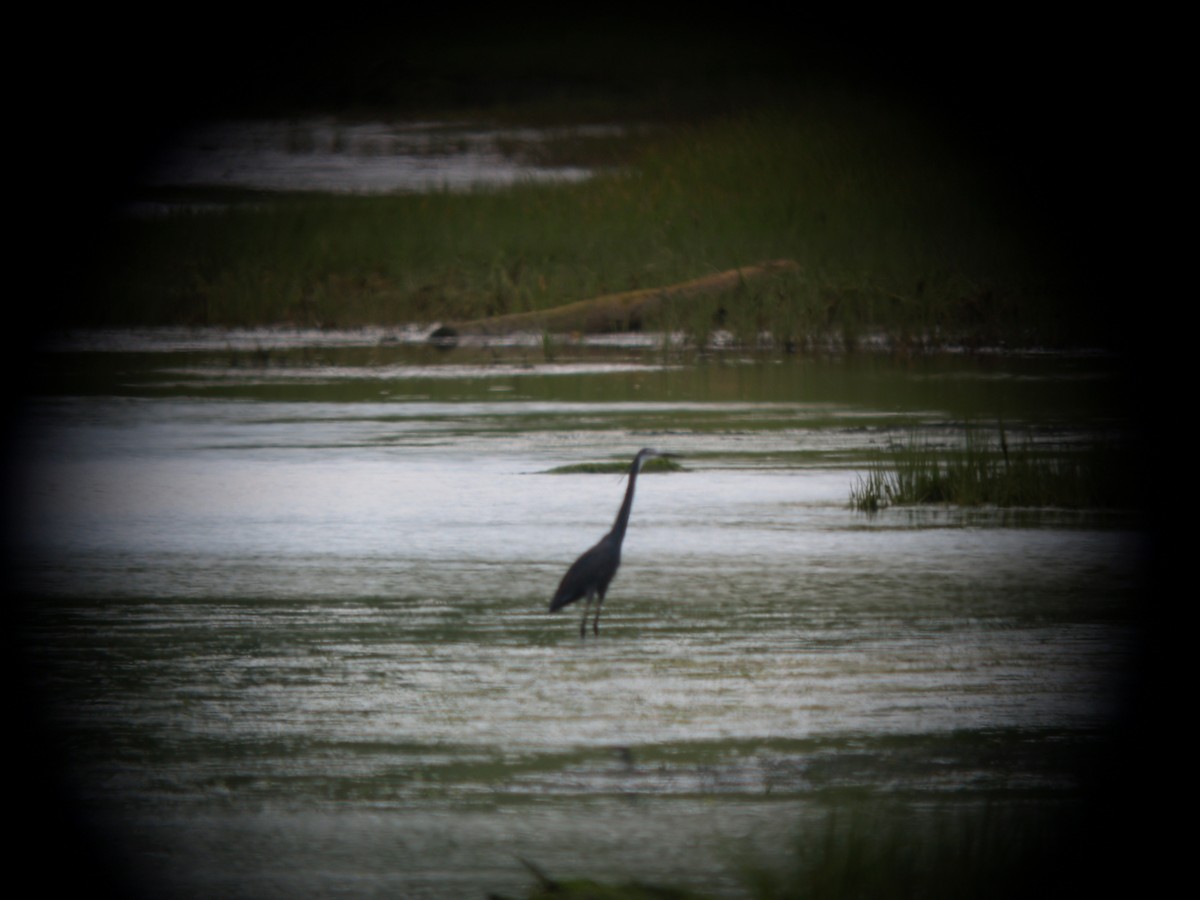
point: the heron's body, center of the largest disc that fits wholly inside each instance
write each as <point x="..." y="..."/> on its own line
<point x="591" y="574"/>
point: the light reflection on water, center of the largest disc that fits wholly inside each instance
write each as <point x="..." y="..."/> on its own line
<point x="358" y="157"/>
<point x="279" y="625"/>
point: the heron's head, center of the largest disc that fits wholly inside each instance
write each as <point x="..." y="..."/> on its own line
<point x="650" y="453"/>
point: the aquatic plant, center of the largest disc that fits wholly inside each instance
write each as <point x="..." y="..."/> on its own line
<point x="887" y="851"/>
<point x="659" y="464"/>
<point x="983" y="471"/>
<point x="972" y="851"/>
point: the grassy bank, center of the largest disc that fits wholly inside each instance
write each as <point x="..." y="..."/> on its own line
<point x="893" y="233"/>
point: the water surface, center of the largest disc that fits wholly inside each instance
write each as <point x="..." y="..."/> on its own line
<point x="328" y="155"/>
<point x="289" y="598"/>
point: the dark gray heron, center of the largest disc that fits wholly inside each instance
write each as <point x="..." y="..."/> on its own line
<point x="589" y="576"/>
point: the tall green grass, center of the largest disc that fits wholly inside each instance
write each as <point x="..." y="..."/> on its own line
<point x="986" y="470"/>
<point x="892" y="231"/>
<point x="976" y="851"/>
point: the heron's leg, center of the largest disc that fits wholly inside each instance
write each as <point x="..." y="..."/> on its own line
<point x="596" y="621"/>
<point x="586" y="607"/>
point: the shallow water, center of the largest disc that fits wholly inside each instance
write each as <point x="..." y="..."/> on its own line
<point x="358" y="157"/>
<point x="291" y="607"/>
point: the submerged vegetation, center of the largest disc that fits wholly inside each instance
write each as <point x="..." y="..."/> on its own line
<point x="988" y="471"/>
<point x="658" y="464"/>
<point x="893" y="235"/>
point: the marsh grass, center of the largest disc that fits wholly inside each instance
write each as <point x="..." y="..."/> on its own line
<point x="891" y="231"/>
<point x="984" y="851"/>
<point x="879" y="851"/>
<point x="658" y="464"/>
<point x="986" y="470"/>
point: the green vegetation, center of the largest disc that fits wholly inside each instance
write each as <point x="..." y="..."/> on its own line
<point x="659" y="464"/>
<point x="878" y="851"/>
<point x="990" y="472"/>
<point x="587" y="889"/>
<point x="984" y="851"/>
<point x="893" y="234"/>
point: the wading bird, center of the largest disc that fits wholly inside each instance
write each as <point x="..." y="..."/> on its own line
<point x="590" y="574"/>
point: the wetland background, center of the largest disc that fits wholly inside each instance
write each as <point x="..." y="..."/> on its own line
<point x="283" y="564"/>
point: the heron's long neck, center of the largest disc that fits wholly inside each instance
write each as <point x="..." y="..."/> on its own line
<point x="618" y="529"/>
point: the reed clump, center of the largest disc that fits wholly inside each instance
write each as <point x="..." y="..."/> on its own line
<point x="988" y="851"/>
<point x="986" y="471"/>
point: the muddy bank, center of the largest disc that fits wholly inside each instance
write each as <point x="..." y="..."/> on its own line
<point x="623" y="311"/>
